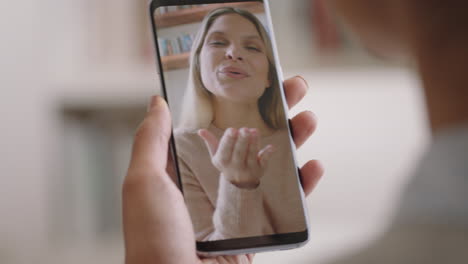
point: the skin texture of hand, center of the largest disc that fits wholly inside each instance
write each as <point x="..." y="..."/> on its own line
<point x="237" y="155"/>
<point x="156" y="223"/>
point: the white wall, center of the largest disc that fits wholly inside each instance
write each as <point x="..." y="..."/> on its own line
<point x="24" y="119"/>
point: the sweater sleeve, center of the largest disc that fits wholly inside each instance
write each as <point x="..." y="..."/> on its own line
<point x="237" y="212"/>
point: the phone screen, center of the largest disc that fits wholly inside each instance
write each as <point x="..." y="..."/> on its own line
<point x="232" y="145"/>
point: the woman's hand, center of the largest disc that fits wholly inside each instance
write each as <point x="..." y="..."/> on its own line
<point x="238" y="156"/>
<point x="157" y="225"/>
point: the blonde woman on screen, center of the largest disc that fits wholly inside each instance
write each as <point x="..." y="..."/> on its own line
<point x="233" y="147"/>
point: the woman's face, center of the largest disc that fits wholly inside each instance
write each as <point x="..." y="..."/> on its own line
<point x="233" y="60"/>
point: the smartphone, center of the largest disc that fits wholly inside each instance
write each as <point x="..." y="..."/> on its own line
<point x="231" y="143"/>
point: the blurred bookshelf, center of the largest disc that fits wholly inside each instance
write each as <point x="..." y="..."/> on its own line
<point x="177" y="61"/>
<point x="197" y="13"/>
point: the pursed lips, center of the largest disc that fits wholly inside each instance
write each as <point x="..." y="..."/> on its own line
<point x="234" y="72"/>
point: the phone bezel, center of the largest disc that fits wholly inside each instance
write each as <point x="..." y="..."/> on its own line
<point x="247" y="244"/>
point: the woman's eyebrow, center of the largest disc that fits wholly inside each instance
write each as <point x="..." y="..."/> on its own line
<point x="246" y="37"/>
<point x="253" y="37"/>
<point x="216" y="33"/>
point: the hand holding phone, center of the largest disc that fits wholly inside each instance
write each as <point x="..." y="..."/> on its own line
<point x="157" y="226"/>
<point x="226" y="87"/>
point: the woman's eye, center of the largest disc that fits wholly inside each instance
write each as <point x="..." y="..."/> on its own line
<point x="252" y="48"/>
<point x="217" y="43"/>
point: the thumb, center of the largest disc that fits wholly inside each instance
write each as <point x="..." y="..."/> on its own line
<point x="210" y="140"/>
<point x="151" y="204"/>
<point x="150" y="146"/>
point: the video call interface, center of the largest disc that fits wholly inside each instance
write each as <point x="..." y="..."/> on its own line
<point x="233" y="148"/>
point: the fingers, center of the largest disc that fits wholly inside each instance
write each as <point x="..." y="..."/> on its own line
<point x="238" y="259"/>
<point x="303" y="126"/>
<point x="295" y="89"/>
<point x="226" y="145"/>
<point x="210" y="140"/>
<point x="254" y="146"/>
<point x="240" y="149"/>
<point x="311" y="173"/>
<point x="150" y="146"/>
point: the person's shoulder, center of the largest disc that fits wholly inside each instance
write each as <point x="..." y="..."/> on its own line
<point x="185" y="133"/>
<point x="187" y="140"/>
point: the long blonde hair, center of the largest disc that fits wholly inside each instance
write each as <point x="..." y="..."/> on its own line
<point x="197" y="109"/>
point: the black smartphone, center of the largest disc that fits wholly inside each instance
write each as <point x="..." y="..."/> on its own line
<point x="231" y="144"/>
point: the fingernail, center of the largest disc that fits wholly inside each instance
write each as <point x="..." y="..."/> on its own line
<point x="304" y="80"/>
<point x="155" y="100"/>
<point x="244" y="132"/>
<point x="232" y="132"/>
<point x="312" y="114"/>
<point x="253" y="132"/>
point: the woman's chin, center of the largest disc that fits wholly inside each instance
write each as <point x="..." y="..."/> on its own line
<point x="240" y="98"/>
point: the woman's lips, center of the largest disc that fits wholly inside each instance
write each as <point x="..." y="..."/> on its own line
<point x="234" y="72"/>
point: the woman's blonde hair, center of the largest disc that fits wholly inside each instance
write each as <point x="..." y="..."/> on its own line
<point x="197" y="109"/>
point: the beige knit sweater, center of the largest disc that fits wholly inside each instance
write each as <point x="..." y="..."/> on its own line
<point x="220" y="210"/>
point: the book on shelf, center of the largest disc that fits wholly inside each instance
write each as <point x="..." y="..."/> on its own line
<point x="167" y="9"/>
<point x="178" y="45"/>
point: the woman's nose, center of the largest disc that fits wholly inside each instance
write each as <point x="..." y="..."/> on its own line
<point x="233" y="53"/>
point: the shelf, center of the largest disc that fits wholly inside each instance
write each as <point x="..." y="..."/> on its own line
<point x="174" y="62"/>
<point x="196" y="14"/>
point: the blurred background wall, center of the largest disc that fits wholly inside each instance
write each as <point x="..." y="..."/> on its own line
<point x="76" y="77"/>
